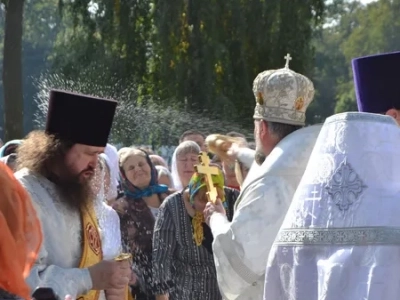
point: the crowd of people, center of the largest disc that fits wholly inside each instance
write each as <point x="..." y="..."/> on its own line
<point x="305" y="212"/>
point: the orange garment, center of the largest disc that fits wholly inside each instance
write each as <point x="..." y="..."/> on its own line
<point x="20" y="235"/>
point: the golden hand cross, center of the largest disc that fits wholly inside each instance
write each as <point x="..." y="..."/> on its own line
<point x="207" y="170"/>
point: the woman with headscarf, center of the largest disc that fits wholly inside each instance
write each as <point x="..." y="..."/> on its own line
<point x="138" y="209"/>
<point x="164" y="176"/>
<point x="183" y="263"/>
<point x="110" y="156"/>
<point x="108" y="218"/>
<point x="185" y="157"/>
<point x="8" y="153"/>
<point x="20" y="236"/>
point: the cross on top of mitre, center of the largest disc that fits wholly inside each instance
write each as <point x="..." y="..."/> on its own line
<point x="288" y="59"/>
<point x="207" y="170"/>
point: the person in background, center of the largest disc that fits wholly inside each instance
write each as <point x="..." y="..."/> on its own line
<point x="185" y="157"/>
<point x="375" y="80"/>
<point x="235" y="134"/>
<point x="183" y="263"/>
<point x="110" y="156"/>
<point x="164" y="176"/>
<point x="138" y="210"/>
<point x="158" y="160"/>
<point x="9" y="148"/>
<point x="20" y="236"/>
<point x="148" y="150"/>
<point x="194" y="136"/>
<point x="8" y="153"/>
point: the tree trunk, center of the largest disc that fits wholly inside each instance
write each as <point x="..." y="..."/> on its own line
<point x="12" y="71"/>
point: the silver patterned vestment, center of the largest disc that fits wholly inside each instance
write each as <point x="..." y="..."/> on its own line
<point x="341" y="237"/>
<point x="241" y="247"/>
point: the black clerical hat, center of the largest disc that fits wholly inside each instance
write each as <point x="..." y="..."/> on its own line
<point x="376" y="81"/>
<point x="80" y="119"/>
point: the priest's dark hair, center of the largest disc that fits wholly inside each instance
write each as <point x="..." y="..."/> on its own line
<point x="40" y="150"/>
<point x="190" y="132"/>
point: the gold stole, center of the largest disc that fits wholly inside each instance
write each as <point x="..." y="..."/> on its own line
<point x="92" y="251"/>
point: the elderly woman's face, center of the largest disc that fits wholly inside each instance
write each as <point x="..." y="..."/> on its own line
<point x="137" y="171"/>
<point x="185" y="164"/>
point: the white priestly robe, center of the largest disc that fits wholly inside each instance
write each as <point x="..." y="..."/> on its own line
<point x="246" y="156"/>
<point x="59" y="257"/>
<point x="241" y="247"/>
<point x="340" y="239"/>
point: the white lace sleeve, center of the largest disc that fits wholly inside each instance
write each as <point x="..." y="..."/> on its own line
<point x="111" y="232"/>
<point x="246" y="156"/>
<point x="241" y="247"/>
<point x="56" y="265"/>
<point x="64" y="281"/>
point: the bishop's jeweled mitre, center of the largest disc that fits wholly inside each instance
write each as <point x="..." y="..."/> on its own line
<point x="282" y="96"/>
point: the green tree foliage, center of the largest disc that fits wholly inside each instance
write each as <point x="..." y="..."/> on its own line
<point x="356" y="30"/>
<point x="199" y="56"/>
<point x="198" y="59"/>
<point x="209" y="52"/>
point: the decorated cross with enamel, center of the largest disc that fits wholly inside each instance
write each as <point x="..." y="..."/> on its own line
<point x="207" y="170"/>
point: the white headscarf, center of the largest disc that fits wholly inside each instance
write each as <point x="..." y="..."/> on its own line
<point x="110" y="155"/>
<point x="183" y="148"/>
<point x="108" y="220"/>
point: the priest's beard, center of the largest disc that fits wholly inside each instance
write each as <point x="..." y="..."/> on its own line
<point x="40" y="153"/>
<point x="259" y="156"/>
<point x="76" y="192"/>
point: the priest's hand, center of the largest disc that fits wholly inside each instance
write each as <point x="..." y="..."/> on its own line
<point x="110" y="274"/>
<point x="212" y="208"/>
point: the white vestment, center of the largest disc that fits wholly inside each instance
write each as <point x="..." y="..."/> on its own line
<point x="340" y="239"/>
<point x="246" y="156"/>
<point x="241" y="247"/>
<point x="57" y="264"/>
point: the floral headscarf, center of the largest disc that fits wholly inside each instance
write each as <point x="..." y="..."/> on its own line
<point x="135" y="193"/>
<point x="197" y="182"/>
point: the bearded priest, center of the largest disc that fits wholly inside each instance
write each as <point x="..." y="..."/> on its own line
<point x="241" y="247"/>
<point x="56" y="167"/>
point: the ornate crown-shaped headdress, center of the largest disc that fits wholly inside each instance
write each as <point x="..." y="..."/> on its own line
<point x="282" y="95"/>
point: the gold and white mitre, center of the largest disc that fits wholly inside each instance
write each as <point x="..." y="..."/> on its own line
<point x="282" y="95"/>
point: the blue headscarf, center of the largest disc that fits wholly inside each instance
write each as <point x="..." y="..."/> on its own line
<point x="7" y="145"/>
<point x="135" y="193"/>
